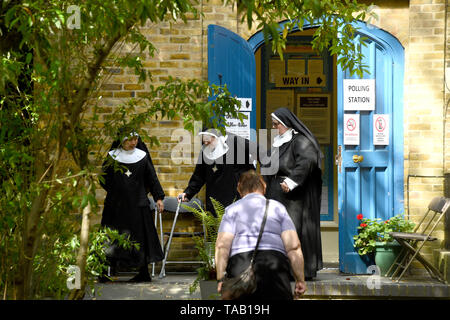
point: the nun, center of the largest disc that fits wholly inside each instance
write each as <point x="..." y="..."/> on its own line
<point x="298" y="183"/>
<point x="219" y="166"/>
<point x="128" y="177"/>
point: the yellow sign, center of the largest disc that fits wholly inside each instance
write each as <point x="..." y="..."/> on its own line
<point x="315" y="80"/>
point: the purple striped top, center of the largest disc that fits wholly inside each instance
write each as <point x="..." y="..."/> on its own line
<point x="243" y="219"/>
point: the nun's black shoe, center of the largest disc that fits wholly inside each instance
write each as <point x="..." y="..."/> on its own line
<point x="104" y="279"/>
<point x="141" y="278"/>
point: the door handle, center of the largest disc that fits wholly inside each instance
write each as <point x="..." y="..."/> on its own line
<point x="358" y="158"/>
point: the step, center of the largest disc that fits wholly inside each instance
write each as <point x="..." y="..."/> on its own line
<point x="331" y="284"/>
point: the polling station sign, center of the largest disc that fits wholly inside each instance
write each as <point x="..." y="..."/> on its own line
<point x="359" y="94"/>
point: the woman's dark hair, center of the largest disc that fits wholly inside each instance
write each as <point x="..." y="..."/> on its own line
<point x="250" y="181"/>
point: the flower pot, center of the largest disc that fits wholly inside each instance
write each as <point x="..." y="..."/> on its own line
<point x="208" y="290"/>
<point x="385" y="255"/>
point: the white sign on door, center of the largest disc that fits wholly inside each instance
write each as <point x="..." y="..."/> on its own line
<point x="381" y="129"/>
<point x="240" y="129"/>
<point x="359" y="94"/>
<point x="235" y="126"/>
<point x="246" y="104"/>
<point x="351" y="129"/>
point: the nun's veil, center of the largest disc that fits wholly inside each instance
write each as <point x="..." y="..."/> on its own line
<point x="124" y="132"/>
<point x="292" y="121"/>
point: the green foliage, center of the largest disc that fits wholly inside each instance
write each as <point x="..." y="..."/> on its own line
<point x="333" y="19"/>
<point x="371" y="231"/>
<point x="51" y="267"/>
<point x="55" y="132"/>
<point x="56" y="128"/>
<point x="211" y="222"/>
<point x="206" y="248"/>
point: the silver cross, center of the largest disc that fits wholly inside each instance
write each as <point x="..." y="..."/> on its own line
<point x="214" y="169"/>
<point x="128" y="173"/>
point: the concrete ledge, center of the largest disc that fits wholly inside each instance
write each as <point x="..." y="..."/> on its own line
<point x="442" y="262"/>
<point x="331" y="284"/>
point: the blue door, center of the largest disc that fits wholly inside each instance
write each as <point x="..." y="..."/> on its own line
<point x="370" y="177"/>
<point x="231" y="61"/>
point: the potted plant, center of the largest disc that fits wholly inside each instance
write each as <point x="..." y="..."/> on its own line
<point x="373" y="238"/>
<point x="206" y="274"/>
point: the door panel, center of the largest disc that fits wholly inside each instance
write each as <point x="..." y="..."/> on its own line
<point x="231" y="62"/>
<point x="368" y="187"/>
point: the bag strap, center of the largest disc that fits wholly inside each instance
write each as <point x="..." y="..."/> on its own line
<point x="263" y="223"/>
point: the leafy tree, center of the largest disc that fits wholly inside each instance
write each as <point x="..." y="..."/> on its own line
<point x="53" y="133"/>
<point x="334" y="19"/>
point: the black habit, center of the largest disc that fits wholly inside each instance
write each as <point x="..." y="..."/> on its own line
<point x="127" y="208"/>
<point x="299" y="160"/>
<point x="221" y="176"/>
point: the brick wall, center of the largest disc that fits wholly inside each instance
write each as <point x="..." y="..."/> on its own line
<point x="424" y="85"/>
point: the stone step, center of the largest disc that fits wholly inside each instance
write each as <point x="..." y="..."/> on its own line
<point x="331" y="284"/>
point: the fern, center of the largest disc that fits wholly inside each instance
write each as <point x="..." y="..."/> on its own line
<point x="206" y="254"/>
<point x="211" y="222"/>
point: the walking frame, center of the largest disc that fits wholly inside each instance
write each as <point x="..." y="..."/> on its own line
<point x="157" y="213"/>
<point x="172" y="204"/>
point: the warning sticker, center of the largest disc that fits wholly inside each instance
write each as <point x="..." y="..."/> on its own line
<point x="351" y="129"/>
<point x="381" y="129"/>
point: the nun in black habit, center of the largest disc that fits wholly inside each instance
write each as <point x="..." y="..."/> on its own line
<point x="219" y="166"/>
<point x="129" y="176"/>
<point x="298" y="183"/>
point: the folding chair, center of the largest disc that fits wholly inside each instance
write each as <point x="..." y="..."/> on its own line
<point x="413" y="242"/>
<point x="171" y="204"/>
<point x="153" y="207"/>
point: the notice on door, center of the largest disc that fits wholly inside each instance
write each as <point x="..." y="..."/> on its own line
<point x="359" y="94"/>
<point x="314" y="110"/>
<point x="381" y="129"/>
<point x="246" y="104"/>
<point x="235" y="126"/>
<point x="351" y="129"/>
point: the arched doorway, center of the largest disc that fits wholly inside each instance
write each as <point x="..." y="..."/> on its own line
<point x="373" y="186"/>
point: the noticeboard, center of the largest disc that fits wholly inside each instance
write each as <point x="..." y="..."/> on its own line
<point x="313" y="109"/>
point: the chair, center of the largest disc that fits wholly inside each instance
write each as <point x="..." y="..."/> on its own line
<point x="171" y="204"/>
<point x="413" y="242"/>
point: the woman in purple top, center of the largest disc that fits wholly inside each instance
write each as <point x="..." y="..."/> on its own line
<point x="279" y="248"/>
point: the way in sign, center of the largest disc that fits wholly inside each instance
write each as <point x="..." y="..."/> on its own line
<point x="295" y="80"/>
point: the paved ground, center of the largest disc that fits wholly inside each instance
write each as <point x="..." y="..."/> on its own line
<point x="172" y="287"/>
<point x="329" y="284"/>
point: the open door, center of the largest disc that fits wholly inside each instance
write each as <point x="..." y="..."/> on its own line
<point x="231" y="61"/>
<point x="370" y="171"/>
